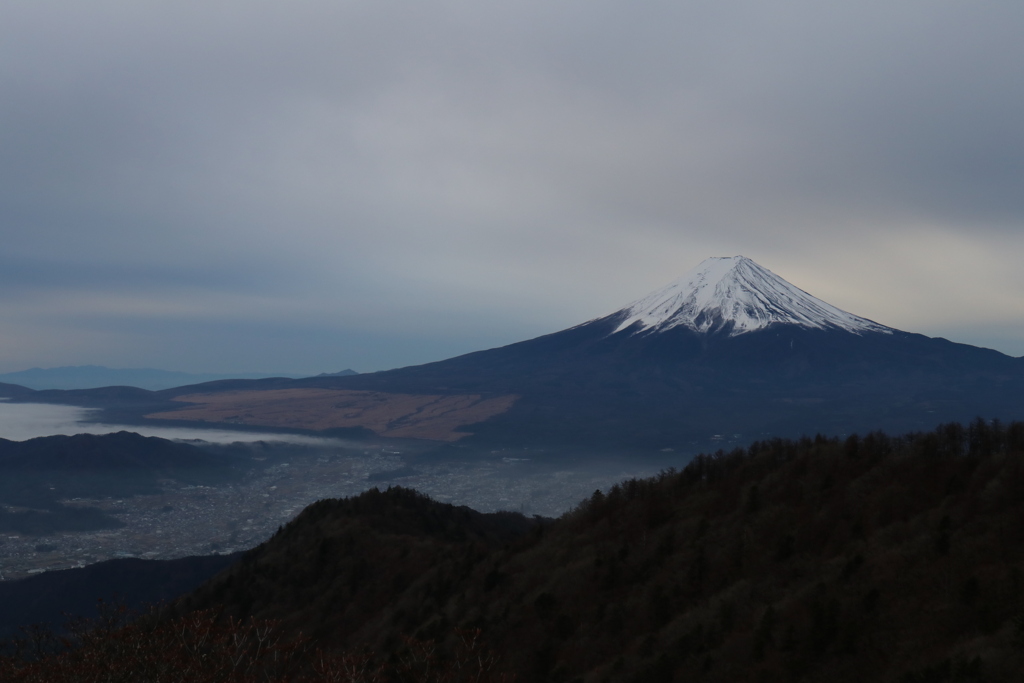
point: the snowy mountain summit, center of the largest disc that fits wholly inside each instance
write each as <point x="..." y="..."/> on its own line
<point x="734" y="295"/>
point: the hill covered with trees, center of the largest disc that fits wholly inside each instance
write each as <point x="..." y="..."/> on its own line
<point x="821" y="559"/>
<point x="38" y="474"/>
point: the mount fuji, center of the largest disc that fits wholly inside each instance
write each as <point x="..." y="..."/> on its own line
<point x="732" y="296"/>
<point x="728" y="351"/>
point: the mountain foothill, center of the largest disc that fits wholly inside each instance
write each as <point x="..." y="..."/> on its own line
<point x="39" y="476"/>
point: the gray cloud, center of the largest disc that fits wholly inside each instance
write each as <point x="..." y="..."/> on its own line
<point x="371" y="184"/>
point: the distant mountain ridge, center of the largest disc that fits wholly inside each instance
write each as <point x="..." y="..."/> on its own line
<point x="341" y="373"/>
<point x="96" y="376"/>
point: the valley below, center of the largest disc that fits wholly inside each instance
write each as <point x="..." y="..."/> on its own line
<point x="184" y="520"/>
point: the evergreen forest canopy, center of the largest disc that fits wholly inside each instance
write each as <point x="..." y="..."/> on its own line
<point x="867" y="558"/>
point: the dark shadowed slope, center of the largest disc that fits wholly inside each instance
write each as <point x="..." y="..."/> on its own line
<point x="343" y="560"/>
<point x="873" y="558"/>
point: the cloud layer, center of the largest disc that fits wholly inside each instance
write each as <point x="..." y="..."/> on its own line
<point x="313" y="185"/>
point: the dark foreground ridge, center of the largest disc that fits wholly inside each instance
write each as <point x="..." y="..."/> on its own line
<point x="871" y="558"/>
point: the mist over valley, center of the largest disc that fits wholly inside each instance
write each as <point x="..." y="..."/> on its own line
<point x="243" y="486"/>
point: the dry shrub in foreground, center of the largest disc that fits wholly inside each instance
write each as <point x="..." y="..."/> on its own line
<point x="199" y="647"/>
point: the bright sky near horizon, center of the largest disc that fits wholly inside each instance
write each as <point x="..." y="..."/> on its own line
<point x="308" y="186"/>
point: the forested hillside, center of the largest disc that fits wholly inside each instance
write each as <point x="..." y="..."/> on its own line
<point x="39" y="474"/>
<point x="868" y="558"/>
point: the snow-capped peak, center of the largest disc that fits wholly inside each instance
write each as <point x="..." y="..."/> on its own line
<point x="735" y="295"/>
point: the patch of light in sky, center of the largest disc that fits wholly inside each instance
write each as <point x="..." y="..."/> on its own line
<point x="21" y="421"/>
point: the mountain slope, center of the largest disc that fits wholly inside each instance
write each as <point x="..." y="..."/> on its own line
<point x="96" y="376"/>
<point x="344" y="558"/>
<point x="866" y="559"/>
<point x="729" y="352"/>
<point x="729" y="349"/>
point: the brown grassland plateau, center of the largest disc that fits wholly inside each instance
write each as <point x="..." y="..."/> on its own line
<point x="400" y="416"/>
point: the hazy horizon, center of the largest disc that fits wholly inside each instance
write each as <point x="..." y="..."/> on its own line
<point x="238" y="187"/>
<point x="23" y="421"/>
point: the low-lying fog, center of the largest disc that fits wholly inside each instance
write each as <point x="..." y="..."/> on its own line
<point x="22" y="421"/>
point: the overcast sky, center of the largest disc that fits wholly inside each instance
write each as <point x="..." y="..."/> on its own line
<point x="308" y="186"/>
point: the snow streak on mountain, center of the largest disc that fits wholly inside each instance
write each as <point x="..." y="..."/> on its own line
<point x="734" y="295"/>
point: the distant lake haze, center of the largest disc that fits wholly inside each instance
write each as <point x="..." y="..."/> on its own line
<point x="23" y="421"/>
